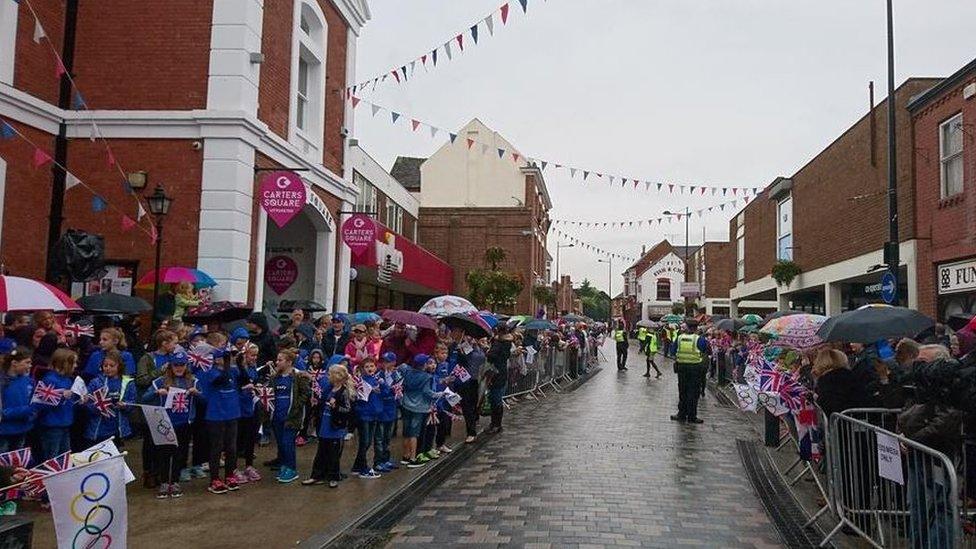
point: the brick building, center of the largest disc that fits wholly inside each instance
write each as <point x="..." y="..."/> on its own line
<point x="199" y="94"/>
<point x="944" y="136"/>
<point x="712" y="267"/>
<point x="830" y="218"/>
<point x="472" y="198"/>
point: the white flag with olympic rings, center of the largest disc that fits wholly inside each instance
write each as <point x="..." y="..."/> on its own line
<point x="89" y="505"/>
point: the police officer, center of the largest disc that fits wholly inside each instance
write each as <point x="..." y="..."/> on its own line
<point x="623" y="341"/>
<point x="690" y="351"/>
<point x="651" y="348"/>
<point x="641" y="338"/>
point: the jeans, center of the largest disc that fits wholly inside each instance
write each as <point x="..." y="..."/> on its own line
<point x="9" y="443"/>
<point x="223" y="439"/>
<point x="381" y="441"/>
<point x="495" y="395"/>
<point x="367" y="430"/>
<point x="54" y="441"/>
<point x="931" y="524"/>
<point x="285" y="439"/>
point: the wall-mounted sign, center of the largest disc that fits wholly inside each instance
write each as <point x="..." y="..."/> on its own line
<point x="689" y="289"/>
<point x="282" y="196"/>
<point x="280" y="273"/>
<point x="358" y="232"/>
<point x="957" y="277"/>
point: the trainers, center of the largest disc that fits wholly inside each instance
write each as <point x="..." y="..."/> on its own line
<point x="391" y="465"/>
<point x="348" y="436"/>
<point x="417" y="463"/>
<point x="382" y="468"/>
<point x="240" y="477"/>
<point x="445" y="449"/>
<point x="369" y="474"/>
<point x="252" y="474"/>
<point x="287" y="475"/>
<point x="163" y="491"/>
<point x="265" y="440"/>
<point x="175" y="491"/>
<point x="357" y="471"/>
<point x="404" y="461"/>
<point x="198" y="472"/>
<point x="423" y="459"/>
<point x="217" y="487"/>
<point x="300" y="441"/>
<point x="333" y="484"/>
<point x="433" y="454"/>
<point x="185" y="475"/>
<point x="231" y="484"/>
<point x="470" y="439"/>
<point x="205" y="467"/>
<point x="312" y="482"/>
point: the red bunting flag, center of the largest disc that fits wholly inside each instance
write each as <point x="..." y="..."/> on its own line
<point x="111" y="159"/>
<point x="59" y="69"/>
<point x="470" y="142"/>
<point x="396" y="75"/>
<point x="460" y="41"/>
<point x="504" y="10"/>
<point x="414" y="122"/>
<point x="153" y="235"/>
<point x="127" y="223"/>
<point x="40" y="158"/>
<point x="423" y="60"/>
<point x="515" y="157"/>
<point x="355" y="101"/>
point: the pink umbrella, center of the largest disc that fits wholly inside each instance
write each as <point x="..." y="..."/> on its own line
<point x="174" y="275"/>
<point x="24" y="294"/>
<point x="409" y="317"/>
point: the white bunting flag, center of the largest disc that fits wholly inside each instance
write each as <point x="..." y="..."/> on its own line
<point x="70" y="180"/>
<point x="375" y="108"/>
<point x="38" y="32"/>
<point x="447" y="48"/>
<point x="142" y="212"/>
<point x="490" y="23"/>
<point x="88" y="504"/>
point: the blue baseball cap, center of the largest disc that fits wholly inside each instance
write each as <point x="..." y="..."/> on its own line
<point x="388" y="357"/>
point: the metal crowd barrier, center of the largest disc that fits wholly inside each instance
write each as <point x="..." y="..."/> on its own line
<point x="551" y="367"/>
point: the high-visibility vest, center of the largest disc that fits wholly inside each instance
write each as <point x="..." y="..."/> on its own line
<point x="642" y="333"/>
<point x="688" y="352"/>
<point x="618" y="336"/>
<point x="651" y="342"/>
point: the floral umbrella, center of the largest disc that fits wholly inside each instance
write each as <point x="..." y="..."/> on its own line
<point x="447" y="305"/>
<point x="797" y="331"/>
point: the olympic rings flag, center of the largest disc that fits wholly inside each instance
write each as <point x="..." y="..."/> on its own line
<point x="89" y="505"/>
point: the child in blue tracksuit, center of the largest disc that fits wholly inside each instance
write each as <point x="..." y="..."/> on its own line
<point x="54" y="422"/>
<point x="418" y="397"/>
<point x="247" y="426"/>
<point x="221" y="390"/>
<point x="442" y="380"/>
<point x="439" y="369"/>
<point x="170" y="460"/>
<point x="368" y="412"/>
<point x="109" y="339"/>
<point x="388" y="414"/>
<point x="292" y="391"/>
<point x="338" y="394"/>
<point x="17" y="390"/>
<point x="121" y="392"/>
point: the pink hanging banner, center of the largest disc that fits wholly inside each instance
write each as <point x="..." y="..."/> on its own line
<point x="282" y="196"/>
<point x="280" y="272"/>
<point x="358" y="232"/>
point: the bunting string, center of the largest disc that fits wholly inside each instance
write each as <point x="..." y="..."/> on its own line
<point x="584" y="175"/>
<point x="656" y="220"/>
<point x="452" y="47"/>
<point x="586" y="246"/>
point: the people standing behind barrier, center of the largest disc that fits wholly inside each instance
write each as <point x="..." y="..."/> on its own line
<point x="650" y="349"/>
<point x="497" y="374"/>
<point x="690" y="350"/>
<point x="623" y="341"/>
<point x="836" y="387"/>
<point x="469" y="355"/>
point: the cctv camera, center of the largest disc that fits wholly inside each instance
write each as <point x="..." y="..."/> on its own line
<point x="196" y="145"/>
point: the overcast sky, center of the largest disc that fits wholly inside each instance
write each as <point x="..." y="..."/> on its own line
<point x="701" y="92"/>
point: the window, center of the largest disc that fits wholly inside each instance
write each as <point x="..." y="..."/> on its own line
<point x="365" y="194"/>
<point x="740" y="247"/>
<point x="308" y="79"/>
<point x="784" y="230"/>
<point x="950" y="154"/>
<point x="394" y="216"/>
<point x="664" y="289"/>
<point x="8" y="39"/>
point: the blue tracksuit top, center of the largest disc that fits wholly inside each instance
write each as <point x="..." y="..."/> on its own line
<point x="101" y="427"/>
<point x="248" y="375"/>
<point x="93" y="367"/>
<point x="443" y="370"/>
<point x="178" y="418"/>
<point x="282" y="396"/>
<point x="220" y="390"/>
<point x="418" y="393"/>
<point x="369" y="410"/>
<point x="18" y="413"/>
<point x="62" y="415"/>
<point x="325" y="425"/>
<point x="387" y="397"/>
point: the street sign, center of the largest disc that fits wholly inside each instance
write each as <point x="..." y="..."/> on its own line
<point x="889" y="287"/>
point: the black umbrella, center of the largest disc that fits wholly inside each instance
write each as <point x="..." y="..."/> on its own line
<point x="218" y="311"/>
<point x="273" y="324"/>
<point x="874" y="322"/>
<point x="307" y="305"/>
<point x="114" y="303"/>
<point x="730" y="324"/>
<point x="956" y="321"/>
<point x="470" y="326"/>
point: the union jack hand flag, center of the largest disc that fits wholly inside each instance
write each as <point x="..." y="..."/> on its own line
<point x="181" y="403"/>
<point x="102" y="402"/>
<point x="16" y="458"/>
<point x="46" y="394"/>
<point x="265" y="396"/>
<point x="201" y="356"/>
<point x="432" y="417"/>
<point x="34" y="485"/>
<point x="461" y="373"/>
<point x="397" y="390"/>
<point x="78" y="330"/>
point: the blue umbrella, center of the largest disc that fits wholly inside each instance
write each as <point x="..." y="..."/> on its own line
<point x="538" y="324"/>
<point x="489" y="319"/>
<point x="361" y="318"/>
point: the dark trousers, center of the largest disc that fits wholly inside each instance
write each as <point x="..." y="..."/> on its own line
<point x="170" y="460"/>
<point x="443" y="428"/>
<point x="148" y="449"/>
<point x="689" y="387"/>
<point x="201" y="444"/>
<point x="367" y="430"/>
<point x="54" y="442"/>
<point x="495" y="397"/>
<point x="469" y="406"/>
<point x="427" y="434"/>
<point x="247" y="438"/>
<point x="381" y="441"/>
<point x="223" y="438"/>
<point x="651" y="363"/>
<point x="325" y="466"/>
<point x="621" y="355"/>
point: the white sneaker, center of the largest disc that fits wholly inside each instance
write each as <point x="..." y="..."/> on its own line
<point x="446" y="449"/>
<point x="348" y="436"/>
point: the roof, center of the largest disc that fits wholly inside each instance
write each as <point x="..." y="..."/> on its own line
<point x="928" y="95"/>
<point x="406" y="170"/>
<point x="680" y="251"/>
<point x="655" y="254"/>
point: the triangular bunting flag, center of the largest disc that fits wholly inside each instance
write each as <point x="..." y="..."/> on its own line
<point x="647" y="185"/>
<point x="572" y="172"/>
<point x="153" y="235"/>
<point x="98" y="204"/>
<point x="525" y="5"/>
<point x="6" y="131"/>
<point x="355" y="101"/>
<point x="671" y="189"/>
<point x="433" y="131"/>
<point x="375" y="108"/>
<point x="127" y="223"/>
<point x="38" y="32"/>
<point x="404" y="70"/>
<point x="724" y="191"/>
<point x="78" y="102"/>
<point x="501" y="153"/>
<point x="447" y="50"/>
<point x="59" y="69"/>
<point x="70" y="180"/>
<point x="111" y="159"/>
<point x="544" y="164"/>
<point x="414" y="123"/>
<point x="470" y="142"/>
<point x="659" y="186"/>
<point x="40" y="158"/>
<point x="490" y="23"/>
<point x="585" y="174"/>
<point x="474" y="33"/>
<point x="504" y="10"/>
<point x="396" y="75"/>
<point x="515" y="157"/>
<point x="94" y="133"/>
<point x="714" y="190"/>
<point x="395" y="115"/>
<point x="413" y="65"/>
<point x="460" y="41"/>
<point x="141" y="213"/>
<point x="423" y="60"/>
<point x="453" y="137"/>
<point x="433" y="57"/>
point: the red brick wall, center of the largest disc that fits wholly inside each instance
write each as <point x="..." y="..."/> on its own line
<point x="34" y="64"/>
<point x="719" y="268"/>
<point x="946" y="228"/>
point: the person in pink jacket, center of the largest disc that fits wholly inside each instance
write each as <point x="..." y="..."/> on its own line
<point x="358" y="347"/>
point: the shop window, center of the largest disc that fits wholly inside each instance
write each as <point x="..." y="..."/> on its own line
<point x="950" y="154"/>
<point x="365" y="194"/>
<point x="784" y="230"/>
<point x="664" y="289"/>
<point x="308" y="79"/>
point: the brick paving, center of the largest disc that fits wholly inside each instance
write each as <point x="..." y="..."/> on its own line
<point x="601" y="467"/>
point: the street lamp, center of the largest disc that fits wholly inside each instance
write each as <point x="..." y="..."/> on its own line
<point x="609" y="262"/>
<point x="558" y="247"/>
<point x="687" y="214"/>
<point x="159" y="204"/>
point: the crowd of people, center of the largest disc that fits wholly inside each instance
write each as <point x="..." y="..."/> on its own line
<point x="227" y="392"/>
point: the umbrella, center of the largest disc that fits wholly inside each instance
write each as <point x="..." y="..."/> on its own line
<point x="114" y="303"/>
<point x="409" y="317"/>
<point x="489" y="319"/>
<point x="872" y="323"/>
<point x="173" y="275"/>
<point x="730" y="324"/>
<point x="447" y="305"/>
<point x="752" y="319"/>
<point x="672" y="319"/>
<point x="471" y="323"/>
<point x="307" y="305"/>
<point x="538" y="324"/>
<point x="274" y="325"/>
<point x="575" y="318"/>
<point x="25" y="294"/>
<point x="780" y="314"/>
<point x="798" y="331"/>
<point x="361" y="318"/>
<point x="958" y="321"/>
<point x="218" y="311"/>
<point x="646" y="324"/>
<point x="749" y="329"/>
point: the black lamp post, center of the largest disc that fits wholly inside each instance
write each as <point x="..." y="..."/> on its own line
<point x="609" y="262"/>
<point x="159" y="204"/>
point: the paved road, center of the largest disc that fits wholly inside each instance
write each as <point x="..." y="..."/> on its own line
<point x="602" y="466"/>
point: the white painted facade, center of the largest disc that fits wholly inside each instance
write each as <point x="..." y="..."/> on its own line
<point x="385" y="183"/>
<point x="670" y="268"/>
<point x="8" y="39"/>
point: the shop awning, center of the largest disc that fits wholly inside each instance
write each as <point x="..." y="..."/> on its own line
<point x="410" y="262"/>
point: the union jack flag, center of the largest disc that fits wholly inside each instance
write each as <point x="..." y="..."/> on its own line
<point x="46" y="394"/>
<point x="78" y="330"/>
<point x="792" y="394"/>
<point x="808" y="433"/>
<point x="432" y="417"/>
<point x="461" y="373"/>
<point x="34" y="485"/>
<point x="16" y="458"/>
<point x="397" y="390"/>
<point x="181" y="403"/>
<point x="770" y="380"/>
<point x="102" y="402"/>
<point x="201" y="356"/>
<point x="265" y="396"/>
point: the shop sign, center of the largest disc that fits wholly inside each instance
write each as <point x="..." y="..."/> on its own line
<point x="282" y="196"/>
<point x="957" y="277"/>
<point x="280" y="273"/>
<point x="358" y="232"/>
<point x="689" y="289"/>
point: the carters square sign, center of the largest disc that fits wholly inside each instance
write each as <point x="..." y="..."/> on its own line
<point x="358" y="232"/>
<point x="282" y="196"/>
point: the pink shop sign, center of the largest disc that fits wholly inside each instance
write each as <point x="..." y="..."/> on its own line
<point x="280" y="272"/>
<point x="358" y="232"/>
<point x="282" y="196"/>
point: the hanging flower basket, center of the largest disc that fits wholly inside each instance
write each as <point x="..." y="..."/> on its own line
<point x="784" y="271"/>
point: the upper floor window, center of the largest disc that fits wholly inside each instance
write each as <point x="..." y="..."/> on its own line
<point x="740" y="247"/>
<point x="664" y="289"/>
<point x="365" y="194"/>
<point x="8" y="39"/>
<point x="784" y="229"/>
<point x="950" y="154"/>
<point x="308" y="79"/>
<point x="394" y="216"/>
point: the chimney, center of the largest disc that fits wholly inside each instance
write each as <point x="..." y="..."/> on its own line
<point x="643" y="250"/>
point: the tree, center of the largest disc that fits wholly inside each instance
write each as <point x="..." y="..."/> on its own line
<point x="491" y="288"/>
<point x="545" y="295"/>
<point x="596" y="303"/>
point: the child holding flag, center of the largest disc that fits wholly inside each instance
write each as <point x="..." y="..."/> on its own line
<point x="247" y="426"/>
<point x="54" y="420"/>
<point x="391" y="391"/>
<point x="170" y="460"/>
<point x="338" y="393"/>
<point x="291" y="395"/>
<point x="109" y="396"/>
<point x="368" y="412"/>
<point x="17" y="392"/>
<point x="221" y="390"/>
